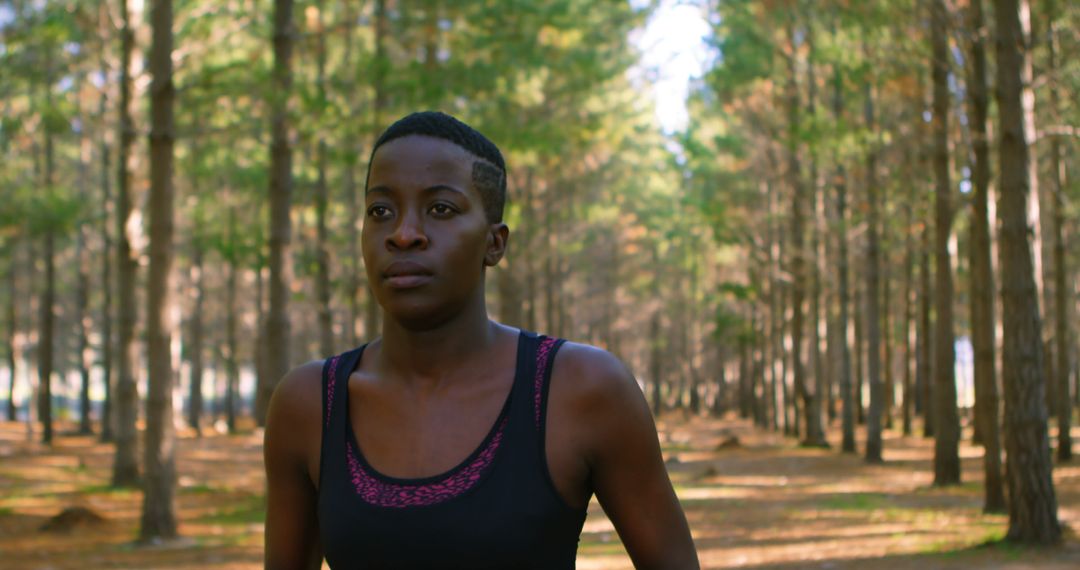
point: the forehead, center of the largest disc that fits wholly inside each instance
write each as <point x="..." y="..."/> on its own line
<point x="421" y="160"/>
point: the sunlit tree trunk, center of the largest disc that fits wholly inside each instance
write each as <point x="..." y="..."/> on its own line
<point x="125" y="469"/>
<point x="159" y="509"/>
<point x="982" y="275"/>
<point x="278" y="325"/>
<point x="1032" y="501"/>
<point x="947" y="421"/>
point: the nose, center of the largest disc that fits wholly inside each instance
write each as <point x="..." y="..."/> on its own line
<point x="407" y="234"/>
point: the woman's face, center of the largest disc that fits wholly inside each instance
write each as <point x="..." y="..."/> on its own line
<point x="426" y="238"/>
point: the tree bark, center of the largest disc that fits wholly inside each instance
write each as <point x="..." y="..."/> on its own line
<point x="349" y="184"/>
<point x="1064" y="401"/>
<point x="196" y="342"/>
<point x="947" y="421"/>
<point x="909" y="303"/>
<point x="82" y="298"/>
<point x="278" y="325"/>
<point x="814" y="434"/>
<point x="125" y="469"/>
<point x="373" y="312"/>
<point x="12" y="336"/>
<point x="322" y="249"/>
<point x="847" y="411"/>
<point x="232" y="374"/>
<point x="106" y="317"/>
<point x="48" y="302"/>
<point x="159" y="509"/>
<point x="873" y="311"/>
<point x="1032" y="504"/>
<point x="859" y="318"/>
<point x="924" y="356"/>
<point x="982" y="275"/>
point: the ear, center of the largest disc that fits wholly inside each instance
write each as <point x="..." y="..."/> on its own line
<point x="497" y="239"/>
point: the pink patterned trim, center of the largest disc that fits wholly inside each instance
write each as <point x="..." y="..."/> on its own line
<point x="331" y="379"/>
<point x="383" y="494"/>
<point x="542" y="354"/>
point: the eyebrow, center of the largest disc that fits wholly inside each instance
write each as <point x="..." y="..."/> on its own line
<point x="428" y="190"/>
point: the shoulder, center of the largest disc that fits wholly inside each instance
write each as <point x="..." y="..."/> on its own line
<point x="592" y="374"/>
<point x="594" y="391"/>
<point x="299" y="393"/>
<point x="294" y="419"/>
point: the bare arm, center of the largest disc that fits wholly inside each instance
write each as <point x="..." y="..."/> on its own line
<point x="625" y="464"/>
<point x="293" y="434"/>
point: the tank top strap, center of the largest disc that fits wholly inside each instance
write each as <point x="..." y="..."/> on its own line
<point x="335" y="383"/>
<point x="335" y="378"/>
<point x="536" y="353"/>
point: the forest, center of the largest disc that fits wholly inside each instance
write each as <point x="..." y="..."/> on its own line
<point x="859" y="255"/>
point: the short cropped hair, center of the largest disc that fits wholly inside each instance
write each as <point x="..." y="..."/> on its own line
<point x="488" y="173"/>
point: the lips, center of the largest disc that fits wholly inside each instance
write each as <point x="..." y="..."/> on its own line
<point x="406" y="275"/>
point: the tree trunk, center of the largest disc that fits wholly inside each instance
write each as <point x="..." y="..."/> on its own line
<point x="1032" y="504"/>
<point x="847" y="406"/>
<point x="1061" y="308"/>
<point x="83" y="321"/>
<point x="775" y="337"/>
<point x="12" y="337"/>
<point x="322" y="249"/>
<point x="888" y="385"/>
<point x="982" y="275"/>
<point x="656" y="367"/>
<point x="48" y="302"/>
<point x="106" y="317"/>
<point x="277" y="321"/>
<point x="909" y="302"/>
<point x="232" y="375"/>
<point x="873" y="310"/>
<point x="859" y="305"/>
<point x="382" y="66"/>
<point x="195" y="345"/>
<point x="924" y="356"/>
<point x="349" y="187"/>
<point x="125" y="469"/>
<point x="947" y="421"/>
<point x="159" y="509"/>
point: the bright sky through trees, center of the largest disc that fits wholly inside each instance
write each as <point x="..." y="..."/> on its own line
<point x="673" y="52"/>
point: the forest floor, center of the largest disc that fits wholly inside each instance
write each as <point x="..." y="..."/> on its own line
<point x="754" y="499"/>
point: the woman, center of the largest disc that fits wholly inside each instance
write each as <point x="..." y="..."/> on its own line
<point x="453" y="441"/>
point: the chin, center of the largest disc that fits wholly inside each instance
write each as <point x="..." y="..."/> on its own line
<point x="416" y="316"/>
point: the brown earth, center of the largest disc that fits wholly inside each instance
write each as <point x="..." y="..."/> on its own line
<point x="754" y="500"/>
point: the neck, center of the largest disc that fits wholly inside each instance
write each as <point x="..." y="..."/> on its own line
<point x="431" y="355"/>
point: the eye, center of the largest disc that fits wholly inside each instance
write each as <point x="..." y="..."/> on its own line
<point x="378" y="212"/>
<point x="442" y="210"/>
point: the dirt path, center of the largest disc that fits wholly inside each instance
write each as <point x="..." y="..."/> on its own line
<point x="760" y="503"/>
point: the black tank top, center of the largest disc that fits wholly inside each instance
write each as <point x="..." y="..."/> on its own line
<point x="497" y="509"/>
